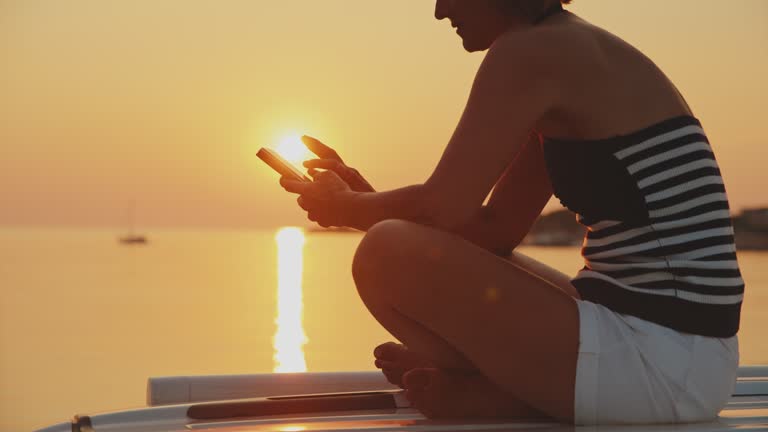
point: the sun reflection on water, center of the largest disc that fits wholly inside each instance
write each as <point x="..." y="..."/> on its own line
<point x="290" y="338"/>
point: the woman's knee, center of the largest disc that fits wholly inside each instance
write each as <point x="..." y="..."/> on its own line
<point x="380" y="251"/>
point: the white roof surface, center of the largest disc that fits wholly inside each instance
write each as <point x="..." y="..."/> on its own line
<point x="360" y="401"/>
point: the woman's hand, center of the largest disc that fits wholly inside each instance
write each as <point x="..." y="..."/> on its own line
<point x="321" y="197"/>
<point x="330" y="160"/>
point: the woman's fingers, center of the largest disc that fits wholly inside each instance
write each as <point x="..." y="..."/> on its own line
<point x="315" y="146"/>
<point x="307" y="203"/>
<point x="344" y="172"/>
<point x="303" y="203"/>
<point x="295" y="186"/>
<point x="329" y="164"/>
<point x="319" y="218"/>
<point x="313" y="166"/>
<point x="350" y="175"/>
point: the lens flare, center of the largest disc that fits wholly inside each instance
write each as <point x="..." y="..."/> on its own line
<point x="292" y="149"/>
<point x="289" y="340"/>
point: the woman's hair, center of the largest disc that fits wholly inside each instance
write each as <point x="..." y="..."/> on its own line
<point x="528" y="10"/>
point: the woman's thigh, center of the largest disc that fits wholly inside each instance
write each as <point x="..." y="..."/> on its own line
<point x="554" y="276"/>
<point x="517" y="327"/>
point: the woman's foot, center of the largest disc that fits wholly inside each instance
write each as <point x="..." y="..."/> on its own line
<point x="396" y="359"/>
<point x="438" y="393"/>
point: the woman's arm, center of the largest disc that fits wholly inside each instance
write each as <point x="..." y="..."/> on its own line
<point x="362" y="210"/>
<point x="514" y="205"/>
<point x="330" y="201"/>
<point x="512" y="91"/>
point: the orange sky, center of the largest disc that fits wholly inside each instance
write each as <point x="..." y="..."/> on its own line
<point x="164" y="104"/>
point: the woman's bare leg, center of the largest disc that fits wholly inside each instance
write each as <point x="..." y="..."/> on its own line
<point x="444" y="298"/>
<point x="395" y="359"/>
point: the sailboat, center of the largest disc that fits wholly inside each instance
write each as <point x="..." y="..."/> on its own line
<point x="132" y="238"/>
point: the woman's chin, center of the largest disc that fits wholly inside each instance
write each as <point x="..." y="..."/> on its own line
<point x="472" y="46"/>
<point x="473" y="41"/>
<point x="467" y="44"/>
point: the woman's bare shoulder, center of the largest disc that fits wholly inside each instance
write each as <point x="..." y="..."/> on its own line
<point x="591" y="72"/>
<point x="567" y="46"/>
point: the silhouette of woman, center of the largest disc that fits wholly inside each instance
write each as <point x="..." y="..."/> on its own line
<point x="645" y="332"/>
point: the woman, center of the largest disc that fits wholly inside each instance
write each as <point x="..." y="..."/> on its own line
<point x="645" y="332"/>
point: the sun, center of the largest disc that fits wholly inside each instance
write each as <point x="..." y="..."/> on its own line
<point x="292" y="149"/>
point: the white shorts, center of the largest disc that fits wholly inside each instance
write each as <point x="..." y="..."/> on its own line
<point x="634" y="371"/>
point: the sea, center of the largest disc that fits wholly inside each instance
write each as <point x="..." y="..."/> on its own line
<point x="85" y="319"/>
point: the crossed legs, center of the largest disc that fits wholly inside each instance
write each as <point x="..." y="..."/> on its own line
<point x="485" y="336"/>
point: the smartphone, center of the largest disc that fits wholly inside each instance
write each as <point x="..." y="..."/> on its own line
<point x="282" y="166"/>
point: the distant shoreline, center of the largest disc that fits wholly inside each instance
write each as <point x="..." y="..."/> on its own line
<point x="559" y="228"/>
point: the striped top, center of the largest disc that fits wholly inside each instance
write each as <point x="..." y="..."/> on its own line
<point x="659" y="242"/>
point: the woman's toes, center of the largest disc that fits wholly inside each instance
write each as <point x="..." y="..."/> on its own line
<point x="388" y="350"/>
<point x="394" y="376"/>
<point x="418" y="379"/>
<point x="440" y="393"/>
<point x="395" y="359"/>
<point x="386" y="364"/>
<point x="417" y="385"/>
<point x="399" y="354"/>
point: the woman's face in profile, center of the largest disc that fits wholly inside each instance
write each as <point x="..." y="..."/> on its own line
<point x="477" y="22"/>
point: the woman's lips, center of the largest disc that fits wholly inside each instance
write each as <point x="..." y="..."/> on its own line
<point x="457" y="26"/>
